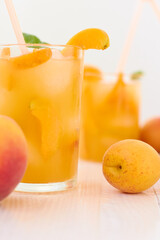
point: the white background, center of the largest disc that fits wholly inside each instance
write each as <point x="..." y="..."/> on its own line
<point x="55" y="21"/>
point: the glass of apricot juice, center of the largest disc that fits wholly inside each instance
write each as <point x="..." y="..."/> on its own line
<point x="110" y="112"/>
<point x="40" y="90"/>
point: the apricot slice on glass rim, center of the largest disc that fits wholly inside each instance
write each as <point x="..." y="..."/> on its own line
<point x="91" y="38"/>
<point x="92" y="73"/>
<point x="33" y="59"/>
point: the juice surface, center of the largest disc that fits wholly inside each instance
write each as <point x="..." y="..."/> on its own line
<point x="110" y="113"/>
<point x="44" y="100"/>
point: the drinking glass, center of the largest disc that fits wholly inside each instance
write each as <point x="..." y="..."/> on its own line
<point x="41" y="92"/>
<point x="110" y="113"/>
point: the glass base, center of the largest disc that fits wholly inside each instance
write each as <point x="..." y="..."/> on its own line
<point x="46" y="187"/>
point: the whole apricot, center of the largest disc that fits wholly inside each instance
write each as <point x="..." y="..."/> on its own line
<point x="150" y="133"/>
<point x="13" y="155"/>
<point x="131" y="166"/>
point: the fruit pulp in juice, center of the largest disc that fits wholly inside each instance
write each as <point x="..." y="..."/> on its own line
<point x="110" y="113"/>
<point x="44" y="100"/>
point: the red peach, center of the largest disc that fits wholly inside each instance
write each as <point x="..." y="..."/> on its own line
<point x="150" y="133"/>
<point x="13" y="155"/>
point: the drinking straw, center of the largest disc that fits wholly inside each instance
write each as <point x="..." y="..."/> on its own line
<point x="130" y="36"/>
<point x="155" y="8"/>
<point x="16" y="25"/>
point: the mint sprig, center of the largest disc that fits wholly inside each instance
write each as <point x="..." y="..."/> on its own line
<point x="32" y="39"/>
<point x="137" y="75"/>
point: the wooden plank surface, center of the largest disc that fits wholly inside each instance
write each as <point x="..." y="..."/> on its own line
<point x="93" y="210"/>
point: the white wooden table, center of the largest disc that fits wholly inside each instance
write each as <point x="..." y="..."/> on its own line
<point x="92" y="211"/>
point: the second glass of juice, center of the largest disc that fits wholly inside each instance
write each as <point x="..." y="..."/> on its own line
<point x="41" y="92"/>
<point x="110" y="113"/>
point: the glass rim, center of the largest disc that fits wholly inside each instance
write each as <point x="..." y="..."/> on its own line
<point x="41" y="45"/>
<point x="109" y="74"/>
<point x="110" y="77"/>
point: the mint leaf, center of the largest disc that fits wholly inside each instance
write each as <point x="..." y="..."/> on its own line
<point x="137" y="75"/>
<point x="29" y="38"/>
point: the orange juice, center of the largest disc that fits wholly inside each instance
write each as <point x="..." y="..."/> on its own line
<point x="41" y="91"/>
<point x="110" y="113"/>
